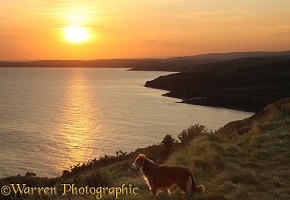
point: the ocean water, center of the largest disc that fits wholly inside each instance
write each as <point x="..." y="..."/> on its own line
<point x="51" y="119"/>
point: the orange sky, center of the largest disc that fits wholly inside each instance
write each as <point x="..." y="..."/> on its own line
<point x="36" y="29"/>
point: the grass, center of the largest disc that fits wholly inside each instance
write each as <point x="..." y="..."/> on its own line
<point x="251" y="166"/>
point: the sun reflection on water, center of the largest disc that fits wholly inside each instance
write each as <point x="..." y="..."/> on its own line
<point x="77" y="129"/>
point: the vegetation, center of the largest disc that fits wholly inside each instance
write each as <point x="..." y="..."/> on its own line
<point x="246" y="159"/>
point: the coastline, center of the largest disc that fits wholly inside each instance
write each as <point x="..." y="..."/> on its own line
<point x="200" y="95"/>
<point x="247" y="84"/>
<point x="215" y="104"/>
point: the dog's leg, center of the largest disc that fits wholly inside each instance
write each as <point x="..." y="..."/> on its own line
<point x="188" y="186"/>
<point x="167" y="191"/>
<point x="154" y="191"/>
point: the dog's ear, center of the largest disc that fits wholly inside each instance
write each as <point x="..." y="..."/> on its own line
<point x="142" y="158"/>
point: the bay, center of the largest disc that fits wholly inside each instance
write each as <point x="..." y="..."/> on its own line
<point x="54" y="118"/>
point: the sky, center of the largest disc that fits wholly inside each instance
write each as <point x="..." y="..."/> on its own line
<point x="38" y="29"/>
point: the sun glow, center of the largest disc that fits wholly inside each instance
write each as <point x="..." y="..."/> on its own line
<point x="77" y="34"/>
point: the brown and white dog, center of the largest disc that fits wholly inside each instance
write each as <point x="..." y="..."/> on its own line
<point x="166" y="176"/>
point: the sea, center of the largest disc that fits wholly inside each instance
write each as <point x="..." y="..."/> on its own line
<point x="54" y="118"/>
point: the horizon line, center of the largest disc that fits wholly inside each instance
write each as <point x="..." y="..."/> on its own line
<point x="144" y="58"/>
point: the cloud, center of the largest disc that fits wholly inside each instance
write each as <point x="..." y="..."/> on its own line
<point x="281" y="34"/>
<point x="217" y="15"/>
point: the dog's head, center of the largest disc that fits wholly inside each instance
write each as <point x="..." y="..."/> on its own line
<point x="139" y="161"/>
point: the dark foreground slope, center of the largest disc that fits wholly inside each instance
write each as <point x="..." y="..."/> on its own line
<point x="243" y="84"/>
<point x="246" y="159"/>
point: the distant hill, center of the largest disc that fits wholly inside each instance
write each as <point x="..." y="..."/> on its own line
<point x="191" y="63"/>
<point x="234" y="55"/>
<point x="239" y="63"/>
<point x="181" y="64"/>
<point x="171" y="64"/>
<point x="174" y="64"/>
<point x="110" y="63"/>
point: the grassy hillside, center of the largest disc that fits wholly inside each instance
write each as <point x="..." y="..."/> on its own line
<point x="246" y="159"/>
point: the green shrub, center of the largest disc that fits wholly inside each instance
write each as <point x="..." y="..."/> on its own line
<point x="191" y="133"/>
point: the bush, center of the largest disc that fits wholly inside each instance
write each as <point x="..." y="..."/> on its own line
<point x="191" y="133"/>
<point x="168" y="143"/>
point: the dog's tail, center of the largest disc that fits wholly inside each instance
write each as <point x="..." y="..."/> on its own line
<point x="198" y="189"/>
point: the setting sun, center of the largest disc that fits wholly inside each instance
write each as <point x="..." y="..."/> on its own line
<point x="61" y="29"/>
<point x="77" y="34"/>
